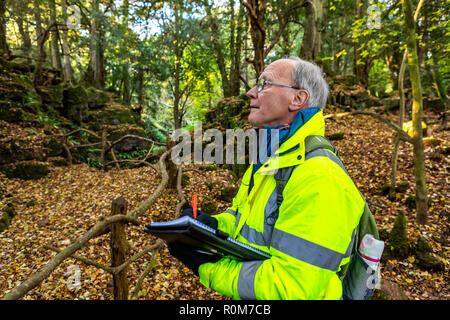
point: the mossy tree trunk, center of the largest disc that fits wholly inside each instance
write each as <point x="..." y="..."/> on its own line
<point x="4" y="49"/>
<point x="401" y="90"/>
<point x="414" y="73"/>
<point x="68" y="73"/>
<point x="256" y="10"/>
<point x="361" y="66"/>
<point x="312" y="38"/>
<point x="95" y="72"/>
<point x="56" y="56"/>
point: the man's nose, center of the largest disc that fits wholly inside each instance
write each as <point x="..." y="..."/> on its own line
<point x="253" y="92"/>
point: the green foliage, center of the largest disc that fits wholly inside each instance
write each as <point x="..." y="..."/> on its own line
<point x="49" y="119"/>
<point x="398" y="241"/>
<point x="380" y="83"/>
<point x="135" y="154"/>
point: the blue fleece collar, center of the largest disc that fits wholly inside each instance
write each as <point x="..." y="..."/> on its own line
<point x="288" y="130"/>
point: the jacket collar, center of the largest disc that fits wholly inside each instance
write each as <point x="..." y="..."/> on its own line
<point x="292" y="151"/>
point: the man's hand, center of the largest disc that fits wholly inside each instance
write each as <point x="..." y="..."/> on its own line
<point x="191" y="257"/>
<point x="202" y="217"/>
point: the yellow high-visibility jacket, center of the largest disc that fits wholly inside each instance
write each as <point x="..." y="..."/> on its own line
<point x="310" y="240"/>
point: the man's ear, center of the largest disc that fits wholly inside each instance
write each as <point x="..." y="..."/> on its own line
<point x="299" y="100"/>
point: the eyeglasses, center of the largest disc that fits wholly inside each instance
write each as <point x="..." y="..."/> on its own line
<point x="260" y="83"/>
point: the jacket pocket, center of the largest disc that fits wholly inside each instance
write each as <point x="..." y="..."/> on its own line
<point x="360" y="279"/>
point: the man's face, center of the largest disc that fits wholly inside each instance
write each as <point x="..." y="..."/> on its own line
<point x="270" y="107"/>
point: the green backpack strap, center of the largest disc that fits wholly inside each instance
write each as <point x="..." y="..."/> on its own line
<point x="315" y="142"/>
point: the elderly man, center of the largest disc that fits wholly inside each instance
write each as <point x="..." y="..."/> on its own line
<point x="309" y="231"/>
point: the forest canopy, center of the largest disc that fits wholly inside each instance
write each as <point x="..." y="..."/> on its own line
<point x="177" y="58"/>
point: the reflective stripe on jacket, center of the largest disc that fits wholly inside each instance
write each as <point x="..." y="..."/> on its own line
<point x="309" y="241"/>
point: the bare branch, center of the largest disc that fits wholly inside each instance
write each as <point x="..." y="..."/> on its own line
<point x="83" y="259"/>
<point x="164" y="180"/>
<point x="146" y="271"/>
<point x="180" y="193"/>
<point x="158" y="244"/>
<point x="39" y="276"/>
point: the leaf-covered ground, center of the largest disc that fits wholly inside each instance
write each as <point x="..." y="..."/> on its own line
<point x="59" y="208"/>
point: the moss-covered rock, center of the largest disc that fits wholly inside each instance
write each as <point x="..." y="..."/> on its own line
<point x="112" y="115"/>
<point x="52" y="96"/>
<point x="10" y="113"/>
<point x="410" y="202"/>
<point x="97" y="99"/>
<point x="227" y="194"/>
<point x="75" y="101"/>
<point x="425" y="258"/>
<point x="389" y="290"/>
<point x="58" y="161"/>
<point x="54" y="147"/>
<point x="128" y="144"/>
<point x="386" y="189"/>
<point x="8" y="213"/>
<point x="336" y="136"/>
<point x="398" y="240"/>
<point x="402" y="187"/>
<point x="11" y="151"/>
<point x="25" y="170"/>
<point x="209" y="206"/>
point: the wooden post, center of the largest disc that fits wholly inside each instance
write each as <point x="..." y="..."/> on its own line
<point x="66" y="147"/>
<point x="119" y="250"/>
<point x="103" y="155"/>
<point x="172" y="169"/>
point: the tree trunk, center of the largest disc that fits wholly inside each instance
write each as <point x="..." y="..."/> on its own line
<point x="414" y="73"/>
<point x="219" y="49"/>
<point x="401" y="78"/>
<point x="256" y="10"/>
<point x="439" y="82"/>
<point x="4" y="48"/>
<point x="235" y="54"/>
<point x="361" y="66"/>
<point x="119" y="250"/>
<point x="312" y="36"/>
<point x="178" y="55"/>
<point x="67" y="70"/>
<point x="94" y="70"/>
<point x="23" y="30"/>
<point x="56" y="56"/>
<point x="172" y="170"/>
<point x="43" y="37"/>
<point x="401" y="89"/>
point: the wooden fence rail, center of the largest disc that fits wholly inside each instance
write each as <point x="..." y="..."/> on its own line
<point x="106" y="146"/>
<point x="115" y="226"/>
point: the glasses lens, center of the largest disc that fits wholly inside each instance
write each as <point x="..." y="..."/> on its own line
<point x="260" y="84"/>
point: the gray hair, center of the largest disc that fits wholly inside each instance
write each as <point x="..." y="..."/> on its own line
<point x="309" y="76"/>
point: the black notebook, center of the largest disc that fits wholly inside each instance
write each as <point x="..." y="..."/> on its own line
<point x="194" y="233"/>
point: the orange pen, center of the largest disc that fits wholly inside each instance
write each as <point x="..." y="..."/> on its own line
<point x="194" y="206"/>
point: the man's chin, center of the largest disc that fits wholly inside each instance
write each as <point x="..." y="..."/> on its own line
<point x="254" y="122"/>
